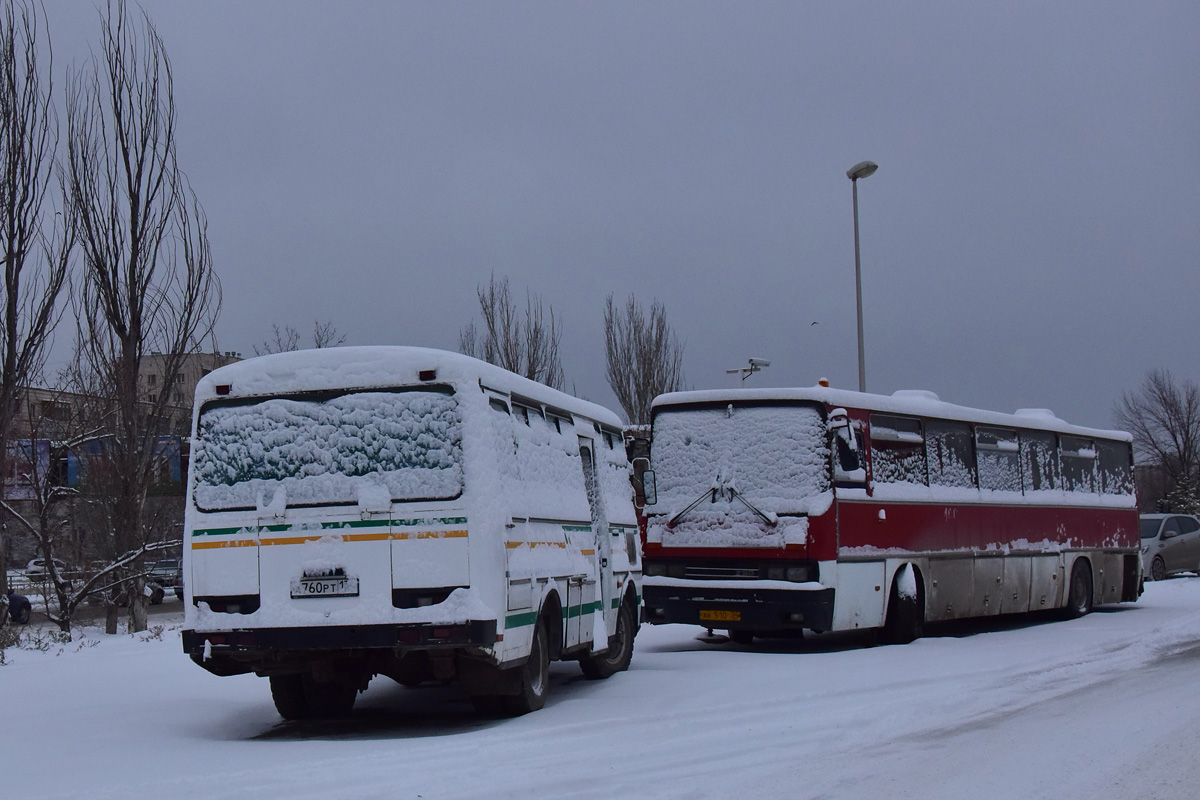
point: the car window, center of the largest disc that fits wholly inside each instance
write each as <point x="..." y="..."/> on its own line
<point x="1171" y="527"/>
<point x="1188" y="524"/>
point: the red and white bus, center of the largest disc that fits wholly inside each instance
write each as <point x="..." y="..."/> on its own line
<point x="772" y="511"/>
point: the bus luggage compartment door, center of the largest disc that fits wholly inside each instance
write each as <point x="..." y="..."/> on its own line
<point x="581" y="597"/>
<point x="224" y="564"/>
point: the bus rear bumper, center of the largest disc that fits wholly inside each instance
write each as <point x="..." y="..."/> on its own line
<point x="753" y="609"/>
<point x="240" y="650"/>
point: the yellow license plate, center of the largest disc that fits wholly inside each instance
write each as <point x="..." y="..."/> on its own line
<point x="720" y="616"/>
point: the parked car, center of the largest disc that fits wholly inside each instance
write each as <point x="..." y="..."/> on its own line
<point x="168" y="574"/>
<point x="36" y="570"/>
<point x="1170" y="545"/>
<point x="19" y="608"/>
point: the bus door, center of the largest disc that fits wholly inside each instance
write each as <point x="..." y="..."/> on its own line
<point x="602" y="547"/>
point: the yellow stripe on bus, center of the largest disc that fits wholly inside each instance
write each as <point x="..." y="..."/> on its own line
<point x="345" y="537"/>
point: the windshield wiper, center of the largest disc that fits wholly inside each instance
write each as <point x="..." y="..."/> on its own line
<point x="770" y="520"/>
<point x="731" y="493"/>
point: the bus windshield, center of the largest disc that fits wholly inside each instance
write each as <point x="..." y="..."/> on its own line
<point x="775" y="456"/>
<point x="328" y="450"/>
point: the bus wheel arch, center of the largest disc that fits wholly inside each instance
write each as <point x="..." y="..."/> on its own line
<point x="620" y="648"/>
<point x="551" y="616"/>
<point x="1080" y="590"/>
<point x="905" y="616"/>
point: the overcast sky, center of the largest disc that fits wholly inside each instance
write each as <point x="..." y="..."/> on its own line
<point x="1030" y="239"/>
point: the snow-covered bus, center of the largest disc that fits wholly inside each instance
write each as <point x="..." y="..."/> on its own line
<point x="772" y="511"/>
<point x="407" y="512"/>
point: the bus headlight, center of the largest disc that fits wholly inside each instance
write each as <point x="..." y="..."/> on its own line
<point x="655" y="568"/>
<point x="777" y="574"/>
<point x="797" y="574"/>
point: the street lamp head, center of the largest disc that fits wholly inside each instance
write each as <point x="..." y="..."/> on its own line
<point x="863" y="169"/>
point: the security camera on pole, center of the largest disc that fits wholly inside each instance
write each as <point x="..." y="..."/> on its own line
<point x="756" y="365"/>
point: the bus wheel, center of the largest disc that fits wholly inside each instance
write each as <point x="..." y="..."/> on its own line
<point x="1079" y="600"/>
<point x="535" y="676"/>
<point x="1158" y="570"/>
<point x="905" y="617"/>
<point x="288" y="693"/>
<point x="620" y="649"/>
<point x="328" y="699"/>
<point x="742" y="637"/>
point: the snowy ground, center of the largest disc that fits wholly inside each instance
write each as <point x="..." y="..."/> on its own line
<point x="1105" y="706"/>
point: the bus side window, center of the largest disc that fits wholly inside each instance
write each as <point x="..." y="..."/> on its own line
<point x="848" y="468"/>
<point x="898" y="450"/>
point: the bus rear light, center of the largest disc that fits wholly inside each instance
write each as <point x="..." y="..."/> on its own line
<point x="223" y="388"/>
<point x="408" y="635"/>
<point x="427" y="374"/>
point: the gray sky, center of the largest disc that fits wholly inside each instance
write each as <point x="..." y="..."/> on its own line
<point x="1030" y="239"/>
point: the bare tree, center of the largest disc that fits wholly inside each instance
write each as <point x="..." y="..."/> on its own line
<point x="325" y="334"/>
<point x="148" y="283"/>
<point x="644" y="356"/>
<point x="1164" y="418"/>
<point x="526" y="344"/>
<point x="35" y="259"/>
<point x="284" y="341"/>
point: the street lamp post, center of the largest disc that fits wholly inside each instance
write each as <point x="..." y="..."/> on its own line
<point x="863" y="169"/>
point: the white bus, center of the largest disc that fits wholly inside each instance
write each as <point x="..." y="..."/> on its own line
<point x="406" y="512"/>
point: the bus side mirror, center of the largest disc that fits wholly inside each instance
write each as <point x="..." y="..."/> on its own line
<point x="649" y="490"/>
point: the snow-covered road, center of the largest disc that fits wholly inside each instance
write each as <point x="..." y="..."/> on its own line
<point x="1104" y="706"/>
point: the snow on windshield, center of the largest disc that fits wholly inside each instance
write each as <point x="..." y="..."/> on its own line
<point x="330" y="451"/>
<point x="775" y="458"/>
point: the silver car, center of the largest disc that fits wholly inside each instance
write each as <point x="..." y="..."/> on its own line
<point x="1170" y="544"/>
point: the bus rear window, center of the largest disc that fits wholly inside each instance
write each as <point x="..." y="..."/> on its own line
<point x="328" y="451"/>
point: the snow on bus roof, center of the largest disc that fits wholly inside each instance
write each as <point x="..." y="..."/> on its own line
<point x="378" y="367"/>
<point x="915" y="402"/>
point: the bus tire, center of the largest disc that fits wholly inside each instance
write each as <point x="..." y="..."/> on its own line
<point x="741" y="636"/>
<point x="905" y="615"/>
<point x="290" y="699"/>
<point x="1079" y="590"/>
<point x="328" y="699"/>
<point x="534" y="676"/>
<point x="620" y="648"/>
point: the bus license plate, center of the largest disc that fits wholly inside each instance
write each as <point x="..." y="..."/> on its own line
<point x="325" y="587"/>
<point x="720" y="616"/>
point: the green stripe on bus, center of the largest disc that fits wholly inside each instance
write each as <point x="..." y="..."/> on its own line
<point x="577" y="528"/>
<point x="530" y="617"/>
